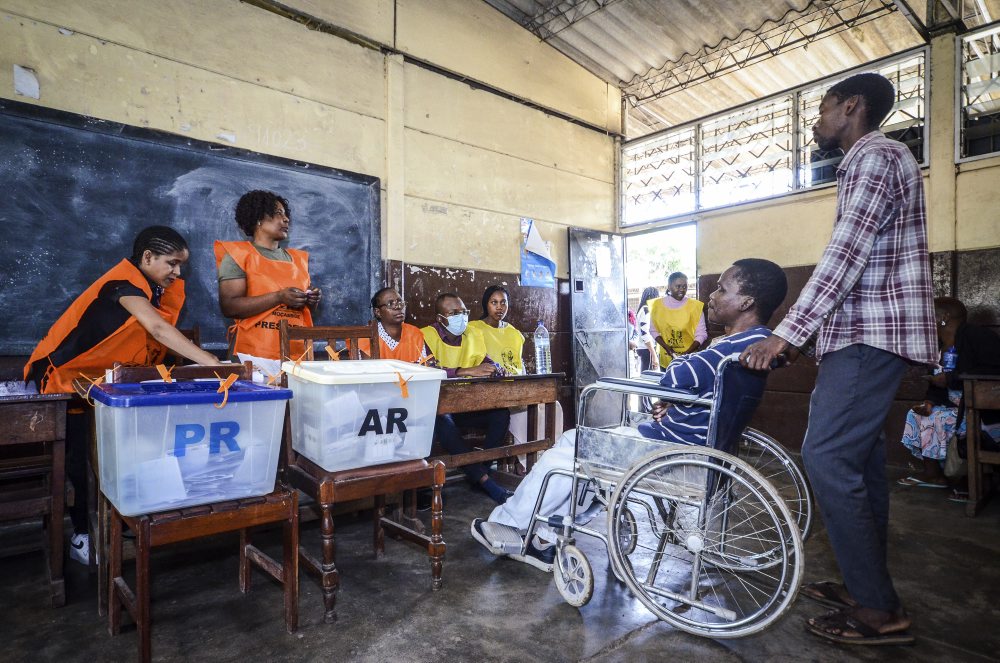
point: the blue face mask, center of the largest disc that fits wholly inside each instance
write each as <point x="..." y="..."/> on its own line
<point x="457" y="323"/>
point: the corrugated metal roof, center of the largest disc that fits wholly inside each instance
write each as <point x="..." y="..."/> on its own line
<point x="654" y="49"/>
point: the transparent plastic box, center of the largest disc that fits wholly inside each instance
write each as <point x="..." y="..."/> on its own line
<point x="349" y="414"/>
<point x="167" y="446"/>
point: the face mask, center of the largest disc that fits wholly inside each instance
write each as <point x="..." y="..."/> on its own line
<point x="457" y="323"/>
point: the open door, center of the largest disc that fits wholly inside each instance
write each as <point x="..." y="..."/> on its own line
<point x="599" y="317"/>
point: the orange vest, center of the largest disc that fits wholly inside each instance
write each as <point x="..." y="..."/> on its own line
<point x="258" y="335"/>
<point x="409" y="348"/>
<point x="129" y="344"/>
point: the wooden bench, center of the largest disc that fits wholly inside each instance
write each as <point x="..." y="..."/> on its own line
<point x="982" y="392"/>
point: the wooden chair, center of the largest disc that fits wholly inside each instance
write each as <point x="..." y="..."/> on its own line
<point x="330" y="488"/>
<point x="32" y="479"/>
<point x="982" y="392"/>
<point x="151" y="530"/>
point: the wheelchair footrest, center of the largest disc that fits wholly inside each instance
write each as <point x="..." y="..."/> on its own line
<point x="503" y="537"/>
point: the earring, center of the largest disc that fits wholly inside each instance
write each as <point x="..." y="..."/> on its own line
<point x="942" y="323"/>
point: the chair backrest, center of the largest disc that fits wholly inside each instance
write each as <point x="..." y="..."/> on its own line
<point x="122" y="373"/>
<point x="350" y="335"/>
<point x="738" y="392"/>
<point x="193" y="334"/>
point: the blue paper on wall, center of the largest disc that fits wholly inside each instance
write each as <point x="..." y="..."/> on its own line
<point x="538" y="269"/>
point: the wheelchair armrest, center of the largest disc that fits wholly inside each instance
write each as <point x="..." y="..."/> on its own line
<point x="646" y="388"/>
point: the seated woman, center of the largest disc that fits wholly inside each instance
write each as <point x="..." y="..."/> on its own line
<point x="931" y="424"/>
<point x="127" y="316"/>
<point x="505" y="345"/>
<point x="747" y="295"/>
<point x="261" y="283"/>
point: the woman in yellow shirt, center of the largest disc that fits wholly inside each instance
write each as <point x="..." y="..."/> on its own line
<point x="504" y="342"/>
<point x="505" y="345"/>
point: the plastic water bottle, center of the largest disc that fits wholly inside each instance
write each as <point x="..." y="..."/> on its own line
<point x="949" y="360"/>
<point x="543" y="352"/>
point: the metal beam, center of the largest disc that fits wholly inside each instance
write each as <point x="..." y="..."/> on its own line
<point x="904" y="8"/>
<point x="821" y="18"/>
<point x="561" y="15"/>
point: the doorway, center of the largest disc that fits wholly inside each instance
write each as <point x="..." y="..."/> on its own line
<point x="651" y="257"/>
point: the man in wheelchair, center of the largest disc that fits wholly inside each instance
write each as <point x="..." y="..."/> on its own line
<point x="747" y="294"/>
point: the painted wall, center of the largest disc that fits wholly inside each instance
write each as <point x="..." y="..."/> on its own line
<point x="454" y="161"/>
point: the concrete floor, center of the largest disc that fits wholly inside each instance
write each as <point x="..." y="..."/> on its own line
<point x="945" y="566"/>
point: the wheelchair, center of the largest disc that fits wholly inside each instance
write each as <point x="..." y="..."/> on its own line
<point x="708" y="538"/>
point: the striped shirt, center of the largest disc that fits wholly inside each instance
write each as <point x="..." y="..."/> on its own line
<point x="873" y="284"/>
<point x="696" y="373"/>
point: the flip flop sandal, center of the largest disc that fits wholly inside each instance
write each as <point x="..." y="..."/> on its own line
<point x="866" y="635"/>
<point x="917" y="483"/>
<point x="828" y="593"/>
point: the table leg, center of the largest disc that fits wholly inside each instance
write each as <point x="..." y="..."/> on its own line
<point x="57" y="584"/>
<point x="330" y="576"/>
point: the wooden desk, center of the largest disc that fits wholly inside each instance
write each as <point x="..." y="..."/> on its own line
<point x="39" y="420"/>
<point x="982" y="392"/>
<point x="476" y="394"/>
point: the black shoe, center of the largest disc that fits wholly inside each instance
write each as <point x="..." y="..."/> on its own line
<point x="542" y="559"/>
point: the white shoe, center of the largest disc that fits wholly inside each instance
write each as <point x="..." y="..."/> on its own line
<point x="79" y="548"/>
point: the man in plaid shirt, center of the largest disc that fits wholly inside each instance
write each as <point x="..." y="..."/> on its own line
<point x="869" y="304"/>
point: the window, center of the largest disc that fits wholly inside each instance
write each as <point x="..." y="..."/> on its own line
<point x="765" y="149"/>
<point x="748" y="154"/>
<point x="980" y="93"/>
<point x="658" y="177"/>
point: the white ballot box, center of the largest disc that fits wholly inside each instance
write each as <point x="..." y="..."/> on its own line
<point x="349" y="414"/>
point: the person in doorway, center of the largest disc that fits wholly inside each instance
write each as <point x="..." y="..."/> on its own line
<point x="678" y="323"/>
<point x="261" y="283"/>
<point x="747" y="294"/>
<point x="461" y="352"/>
<point x="870" y="303"/>
<point x="648" y="356"/>
<point x="127" y="316"/>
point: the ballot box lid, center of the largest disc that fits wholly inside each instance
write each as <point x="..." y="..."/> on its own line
<point x="154" y="393"/>
<point x="361" y="371"/>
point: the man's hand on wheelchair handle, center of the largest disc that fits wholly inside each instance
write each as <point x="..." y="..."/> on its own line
<point x="761" y="355"/>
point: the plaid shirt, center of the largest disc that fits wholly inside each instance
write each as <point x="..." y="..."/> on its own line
<point x="873" y="284"/>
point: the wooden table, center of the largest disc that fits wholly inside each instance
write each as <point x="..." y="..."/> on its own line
<point x="981" y="392"/>
<point x="476" y="394"/>
<point x="37" y="420"/>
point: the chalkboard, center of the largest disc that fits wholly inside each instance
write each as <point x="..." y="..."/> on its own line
<point x="77" y="190"/>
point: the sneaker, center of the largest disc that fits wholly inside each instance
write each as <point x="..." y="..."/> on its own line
<point x="79" y="548"/>
<point x="540" y="558"/>
<point x="480" y="536"/>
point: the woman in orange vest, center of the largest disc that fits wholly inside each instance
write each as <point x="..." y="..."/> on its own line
<point x="126" y="316"/>
<point x="396" y="339"/>
<point x="261" y="283"/>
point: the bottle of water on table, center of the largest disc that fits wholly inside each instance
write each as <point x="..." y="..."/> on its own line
<point x="543" y="352"/>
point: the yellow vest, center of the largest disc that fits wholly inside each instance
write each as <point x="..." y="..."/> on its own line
<point x="503" y="345"/>
<point x="471" y="353"/>
<point x="676" y="325"/>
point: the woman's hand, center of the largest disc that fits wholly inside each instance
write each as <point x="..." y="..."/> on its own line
<point x="923" y="409"/>
<point x="484" y="370"/>
<point x="292" y="297"/>
<point x="313" y="295"/>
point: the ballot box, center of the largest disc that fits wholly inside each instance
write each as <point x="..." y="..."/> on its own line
<point x="163" y="446"/>
<point x="349" y="414"/>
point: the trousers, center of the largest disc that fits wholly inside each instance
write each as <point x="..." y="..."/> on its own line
<point x="844" y="456"/>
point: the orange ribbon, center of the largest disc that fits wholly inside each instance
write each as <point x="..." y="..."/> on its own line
<point x="334" y="355"/>
<point x="423" y="360"/>
<point x="224" y="386"/>
<point x="165" y="373"/>
<point x="404" y="390"/>
<point x="93" y="383"/>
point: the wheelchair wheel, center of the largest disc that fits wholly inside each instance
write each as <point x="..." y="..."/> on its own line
<point x="628" y="531"/>
<point x="573" y="575"/>
<point x="708" y="518"/>
<point x="764" y="454"/>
